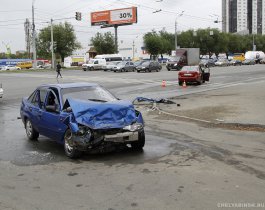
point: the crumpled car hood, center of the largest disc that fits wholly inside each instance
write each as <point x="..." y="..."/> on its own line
<point x="98" y="115"/>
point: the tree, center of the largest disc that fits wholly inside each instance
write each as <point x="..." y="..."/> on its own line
<point x="153" y="43"/>
<point x="168" y="42"/>
<point x="104" y="43"/>
<point x="65" y="41"/>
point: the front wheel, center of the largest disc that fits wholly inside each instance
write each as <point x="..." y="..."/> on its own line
<point x="32" y="134"/>
<point x="69" y="148"/>
<point x="138" y="145"/>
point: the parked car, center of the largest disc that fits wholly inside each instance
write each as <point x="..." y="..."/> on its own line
<point x="193" y="74"/>
<point x="1" y="91"/>
<point x="262" y="61"/>
<point x="235" y="62"/>
<point x="82" y="117"/>
<point x="207" y="62"/>
<point x="110" y="65"/>
<point x="149" y="66"/>
<point x="9" y="67"/>
<point x="249" y="62"/>
<point x="94" y="64"/>
<point x="138" y="63"/>
<point x="124" y="66"/>
<point x="222" y="62"/>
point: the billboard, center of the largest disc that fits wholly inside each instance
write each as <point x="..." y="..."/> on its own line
<point x="114" y="17"/>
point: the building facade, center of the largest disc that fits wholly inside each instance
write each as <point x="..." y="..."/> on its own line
<point x="243" y="16"/>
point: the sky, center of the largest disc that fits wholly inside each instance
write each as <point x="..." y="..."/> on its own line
<point x="13" y="13"/>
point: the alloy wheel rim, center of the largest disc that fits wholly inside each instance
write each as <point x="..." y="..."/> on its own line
<point x="29" y="128"/>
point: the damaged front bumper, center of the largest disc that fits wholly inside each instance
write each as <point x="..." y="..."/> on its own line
<point x="122" y="137"/>
<point x="88" y="141"/>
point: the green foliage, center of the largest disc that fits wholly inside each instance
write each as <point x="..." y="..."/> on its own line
<point x="153" y="43"/>
<point x="210" y="41"/>
<point x="65" y="41"/>
<point x="104" y="43"/>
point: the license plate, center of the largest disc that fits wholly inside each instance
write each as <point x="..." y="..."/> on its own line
<point x="188" y="75"/>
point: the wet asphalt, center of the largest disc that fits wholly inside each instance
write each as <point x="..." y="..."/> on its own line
<point x="16" y="148"/>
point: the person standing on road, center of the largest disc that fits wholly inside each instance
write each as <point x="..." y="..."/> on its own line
<point x="58" y="70"/>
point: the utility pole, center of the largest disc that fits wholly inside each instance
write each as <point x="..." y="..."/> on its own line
<point x="52" y="44"/>
<point x="116" y="38"/>
<point x="133" y="51"/>
<point x="34" y="39"/>
<point x="176" y="39"/>
<point x="176" y="33"/>
<point x="27" y="36"/>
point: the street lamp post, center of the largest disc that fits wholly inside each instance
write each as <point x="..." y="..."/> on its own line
<point x="34" y="38"/>
<point x="176" y="33"/>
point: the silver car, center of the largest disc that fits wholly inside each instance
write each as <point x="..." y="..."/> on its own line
<point x="222" y="62"/>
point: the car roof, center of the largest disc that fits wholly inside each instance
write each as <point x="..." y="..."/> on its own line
<point x="71" y="85"/>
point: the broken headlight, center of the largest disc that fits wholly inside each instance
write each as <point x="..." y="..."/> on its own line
<point x="134" y="127"/>
<point x="83" y="131"/>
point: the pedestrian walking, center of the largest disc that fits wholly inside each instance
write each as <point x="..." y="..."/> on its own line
<point x="58" y="70"/>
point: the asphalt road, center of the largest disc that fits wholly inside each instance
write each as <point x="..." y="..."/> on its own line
<point x="184" y="165"/>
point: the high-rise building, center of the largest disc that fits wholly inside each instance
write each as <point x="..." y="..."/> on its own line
<point x="243" y="16"/>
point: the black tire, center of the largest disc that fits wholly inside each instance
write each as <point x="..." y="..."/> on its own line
<point x="138" y="145"/>
<point x="180" y="83"/>
<point x="32" y="134"/>
<point x="91" y="68"/>
<point x="138" y="71"/>
<point x="69" y="149"/>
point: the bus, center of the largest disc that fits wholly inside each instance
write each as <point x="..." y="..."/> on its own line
<point x="25" y="64"/>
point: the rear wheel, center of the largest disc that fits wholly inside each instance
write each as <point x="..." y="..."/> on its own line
<point x="180" y="83"/>
<point x="69" y="148"/>
<point x="92" y="69"/>
<point x="138" y="145"/>
<point x="32" y="134"/>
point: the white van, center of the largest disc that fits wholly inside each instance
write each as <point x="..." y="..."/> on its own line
<point x="109" y="57"/>
<point x="95" y="64"/>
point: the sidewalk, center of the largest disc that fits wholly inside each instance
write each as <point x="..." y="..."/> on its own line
<point x="243" y="104"/>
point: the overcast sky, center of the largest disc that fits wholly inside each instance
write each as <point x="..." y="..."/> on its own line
<point x="197" y="14"/>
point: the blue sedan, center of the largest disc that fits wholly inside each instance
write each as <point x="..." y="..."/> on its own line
<point x="82" y="117"/>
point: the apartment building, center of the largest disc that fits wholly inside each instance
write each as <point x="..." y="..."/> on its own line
<point x="243" y="16"/>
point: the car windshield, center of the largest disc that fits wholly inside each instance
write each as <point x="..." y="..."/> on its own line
<point x="146" y="63"/>
<point x="189" y="68"/>
<point x="174" y="59"/>
<point x="137" y="63"/>
<point x="94" y="93"/>
<point x="121" y="64"/>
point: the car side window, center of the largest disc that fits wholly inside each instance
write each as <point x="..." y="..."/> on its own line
<point x="52" y="100"/>
<point x="42" y="94"/>
<point x="96" y="62"/>
<point x="35" y="99"/>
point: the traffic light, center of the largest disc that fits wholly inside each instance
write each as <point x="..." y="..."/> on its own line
<point x="78" y="16"/>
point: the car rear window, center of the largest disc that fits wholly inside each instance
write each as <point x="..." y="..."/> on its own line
<point x="190" y="68"/>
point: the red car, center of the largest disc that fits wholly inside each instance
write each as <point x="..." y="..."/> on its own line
<point x="193" y="74"/>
